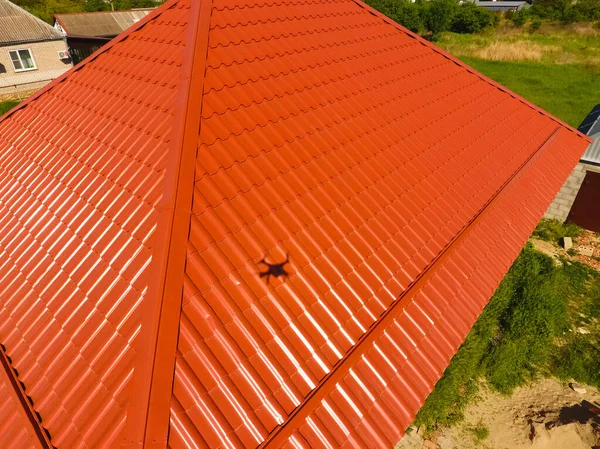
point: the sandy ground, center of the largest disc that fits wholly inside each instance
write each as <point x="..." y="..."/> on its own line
<point x="545" y="415"/>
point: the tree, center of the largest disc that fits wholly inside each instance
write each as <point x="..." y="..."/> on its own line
<point x="410" y="15"/>
<point x="469" y="18"/>
<point x="439" y="16"/>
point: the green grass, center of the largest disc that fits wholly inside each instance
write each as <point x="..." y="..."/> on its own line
<point x="567" y="91"/>
<point x="7" y="106"/>
<point x="529" y="329"/>
<point x="554" y="231"/>
<point x="480" y="432"/>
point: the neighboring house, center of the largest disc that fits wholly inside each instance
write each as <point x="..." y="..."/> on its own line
<point x="88" y="31"/>
<point x="32" y="53"/>
<point x="501" y="6"/>
<point x="579" y="198"/>
<point x="267" y="224"/>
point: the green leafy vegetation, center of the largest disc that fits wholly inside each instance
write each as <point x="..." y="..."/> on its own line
<point x="431" y="18"/>
<point x="529" y="329"/>
<point x="7" y="106"/>
<point x="554" y="231"/>
<point x="45" y="9"/>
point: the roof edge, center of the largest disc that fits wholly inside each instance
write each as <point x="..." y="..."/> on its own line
<point x="26" y="410"/>
<point x="31" y="41"/>
<point x="149" y="406"/>
<point x="121" y="37"/>
<point x="467" y="67"/>
<point x="279" y="436"/>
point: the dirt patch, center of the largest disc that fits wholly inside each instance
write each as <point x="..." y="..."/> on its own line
<point x="545" y="415"/>
<point x="587" y="239"/>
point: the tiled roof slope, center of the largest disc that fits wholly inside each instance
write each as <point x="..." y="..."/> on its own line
<point x="81" y="170"/>
<point x="317" y="131"/>
<point x="17" y="25"/>
<point x="370" y="158"/>
<point x="15" y="433"/>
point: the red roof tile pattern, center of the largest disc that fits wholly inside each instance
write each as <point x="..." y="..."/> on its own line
<point x="14" y="431"/>
<point x="399" y="185"/>
<point x="81" y="170"/>
<point x="361" y="153"/>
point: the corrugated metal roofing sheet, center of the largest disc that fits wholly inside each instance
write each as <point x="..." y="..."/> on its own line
<point x="314" y="131"/>
<point x="102" y="23"/>
<point x="15" y="433"/>
<point x="17" y="25"/>
<point x="81" y="171"/>
<point x="592" y="154"/>
<point x="591" y="127"/>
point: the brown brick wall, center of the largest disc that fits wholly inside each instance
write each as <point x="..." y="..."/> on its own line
<point x="561" y="206"/>
<point x="20" y="84"/>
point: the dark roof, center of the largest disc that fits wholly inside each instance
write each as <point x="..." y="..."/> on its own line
<point x="142" y="193"/>
<point x="591" y="127"/>
<point x="17" y="25"/>
<point x="501" y="4"/>
<point x="103" y="23"/>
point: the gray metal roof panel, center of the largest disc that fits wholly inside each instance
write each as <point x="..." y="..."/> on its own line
<point x="591" y="127"/>
<point x="17" y="25"/>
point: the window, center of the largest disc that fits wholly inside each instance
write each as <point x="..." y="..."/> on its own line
<point x="22" y="60"/>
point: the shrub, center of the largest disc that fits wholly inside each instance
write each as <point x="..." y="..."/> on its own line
<point x="554" y="230"/>
<point x="569" y="15"/>
<point x="519" y="18"/>
<point x="536" y="23"/>
<point x="439" y="16"/>
<point x="410" y="15"/>
<point x="470" y="18"/>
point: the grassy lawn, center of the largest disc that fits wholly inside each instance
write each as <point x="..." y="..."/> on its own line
<point x="557" y="68"/>
<point x="567" y="91"/>
<point x="6" y="106"/>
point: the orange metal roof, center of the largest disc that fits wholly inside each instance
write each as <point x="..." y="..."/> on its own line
<point x="141" y="191"/>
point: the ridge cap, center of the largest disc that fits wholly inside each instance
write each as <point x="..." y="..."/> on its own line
<point x="148" y="411"/>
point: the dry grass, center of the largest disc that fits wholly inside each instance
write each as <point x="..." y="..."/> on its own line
<point x="552" y="43"/>
<point x="508" y="51"/>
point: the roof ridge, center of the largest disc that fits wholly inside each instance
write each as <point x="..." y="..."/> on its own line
<point x="136" y="27"/>
<point x="102" y="12"/>
<point x="466" y="67"/>
<point x="149" y="406"/>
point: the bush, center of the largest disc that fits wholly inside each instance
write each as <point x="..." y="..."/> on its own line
<point x="519" y="18"/>
<point x="439" y="16"/>
<point x="470" y="18"/>
<point x="411" y="15"/>
<point x="536" y="23"/>
<point x="570" y="15"/>
<point x="554" y="230"/>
